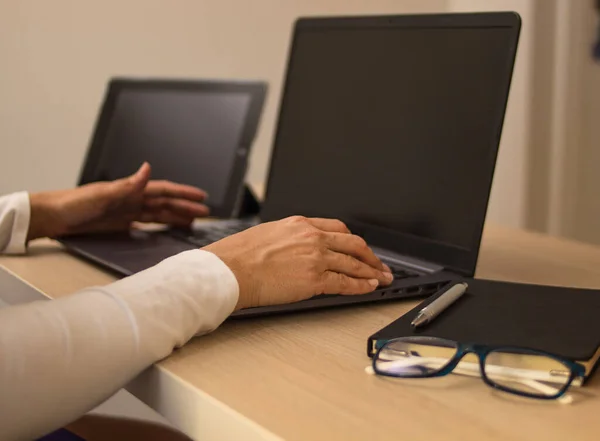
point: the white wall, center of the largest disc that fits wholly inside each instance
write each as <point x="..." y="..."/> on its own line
<point x="57" y="55"/>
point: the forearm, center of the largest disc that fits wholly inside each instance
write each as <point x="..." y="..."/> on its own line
<point x="62" y="358"/>
<point x="45" y="220"/>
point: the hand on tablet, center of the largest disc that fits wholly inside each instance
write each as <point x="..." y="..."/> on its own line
<point x="296" y="258"/>
<point x="114" y="205"/>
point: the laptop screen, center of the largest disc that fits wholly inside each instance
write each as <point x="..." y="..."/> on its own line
<point x="395" y="128"/>
<point x="196" y="133"/>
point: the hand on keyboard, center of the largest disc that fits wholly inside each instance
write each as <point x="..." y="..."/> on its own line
<point x="297" y="258"/>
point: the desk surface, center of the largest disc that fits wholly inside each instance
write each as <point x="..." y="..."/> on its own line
<point x="301" y="376"/>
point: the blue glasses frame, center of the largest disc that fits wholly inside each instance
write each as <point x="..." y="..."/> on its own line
<point x="482" y="351"/>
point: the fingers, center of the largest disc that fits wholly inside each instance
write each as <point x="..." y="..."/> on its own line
<point x="114" y="192"/>
<point x="329" y="225"/>
<point x="141" y="177"/>
<point x="172" y="190"/>
<point x="350" y="266"/>
<point x="337" y="283"/>
<point x="180" y="207"/>
<point x="354" y="246"/>
<point x="346" y="243"/>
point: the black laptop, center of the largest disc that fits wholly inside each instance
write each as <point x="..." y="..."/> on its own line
<point x="391" y="124"/>
<point x="196" y="132"/>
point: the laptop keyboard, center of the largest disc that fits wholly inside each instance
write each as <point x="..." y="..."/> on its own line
<point x="402" y="273"/>
<point x="399" y="274"/>
<point x="201" y="237"/>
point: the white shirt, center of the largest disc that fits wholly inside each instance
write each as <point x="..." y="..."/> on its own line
<point x="60" y="359"/>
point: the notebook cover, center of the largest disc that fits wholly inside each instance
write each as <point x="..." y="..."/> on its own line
<point x="562" y="321"/>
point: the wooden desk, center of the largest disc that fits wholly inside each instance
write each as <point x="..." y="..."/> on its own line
<point x="301" y="377"/>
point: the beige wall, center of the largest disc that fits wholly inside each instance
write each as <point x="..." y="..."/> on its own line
<point x="564" y="145"/>
<point x="57" y="55"/>
<point x="585" y="224"/>
<point x="589" y="206"/>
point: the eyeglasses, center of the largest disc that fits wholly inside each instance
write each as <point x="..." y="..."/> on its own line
<point x="519" y="371"/>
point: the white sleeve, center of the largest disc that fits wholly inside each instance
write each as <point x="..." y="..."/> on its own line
<point x="14" y="222"/>
<point x="61" y="358"/>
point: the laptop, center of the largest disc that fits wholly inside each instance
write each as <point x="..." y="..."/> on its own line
<point x="195" y="132"/>
<point x="391" y="124"/>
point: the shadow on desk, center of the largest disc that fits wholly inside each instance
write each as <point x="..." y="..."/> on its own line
<point x="468" y="385"/>
<point x="109" y="428"/>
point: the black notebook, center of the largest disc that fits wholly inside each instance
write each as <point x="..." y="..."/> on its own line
<point x="562" y="321"/>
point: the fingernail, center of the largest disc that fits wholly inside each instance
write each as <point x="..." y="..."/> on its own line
<point x="374" y="283"/>
<point x="389" y="277"/>
<point x="386" y="268"/>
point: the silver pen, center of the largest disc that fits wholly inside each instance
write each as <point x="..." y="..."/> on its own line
<point x="428" y="313"/>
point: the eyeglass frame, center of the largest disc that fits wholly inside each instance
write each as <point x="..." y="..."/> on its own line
<point x="577" y="370"/>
